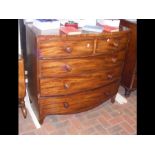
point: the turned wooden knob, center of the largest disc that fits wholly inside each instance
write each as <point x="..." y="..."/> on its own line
<point x="115" y="44"/>
<point x="66" y="105"/>
<point x="108" y="40"/>
<point x="114" y="59"/>
<point x="110" y="76"/>
<point x="88" y="45"/>
<point x="68" y="49"/>
<point x="67" y="68"/>
<point x="66" y="86"/>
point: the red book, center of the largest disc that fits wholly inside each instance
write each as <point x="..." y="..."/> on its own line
<point x="69" y="30"/>
<point x="108" y="28"/>
<point x="72" y="25"/>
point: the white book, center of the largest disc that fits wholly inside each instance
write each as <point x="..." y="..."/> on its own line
<point x="46" y="25"/>
<point x="45" y="31"/>
<point x="109" y="22"/>
<point x="92" y="28"/>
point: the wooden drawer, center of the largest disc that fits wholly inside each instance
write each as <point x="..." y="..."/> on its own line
<point x="77" y="102"/>
<point x="66" y="48"/>
<point x="111" y="44"/>
<point x="72" y="67"/>
<point x="69" y="85"/>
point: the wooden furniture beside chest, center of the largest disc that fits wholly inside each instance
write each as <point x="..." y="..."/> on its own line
<point x="21" y="85"/>
<point x="70" y="74"/>
<point x="129" y="75"/>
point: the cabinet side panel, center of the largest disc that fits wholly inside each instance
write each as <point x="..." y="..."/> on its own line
<point x="131" y="56"/>
<point x="32" y="66"/>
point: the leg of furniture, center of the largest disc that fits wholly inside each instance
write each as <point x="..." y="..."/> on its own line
<point x="113" y="99"/>
<point x="23" y="108"/>
<point x="127" y="92"/>
<point x="41" y="119"/>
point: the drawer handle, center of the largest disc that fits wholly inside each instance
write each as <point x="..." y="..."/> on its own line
<point x="107" y="94"/>
<point x="108" y="40"/>
<point x="110" y="76"/>
<point x="66" y="86"/>
<point x="88" y="45"/>
<point x="115" y="44"/>
<point x="68" y="49"/>
<point x="114" y="60"/>
<point x="66" y="105"/>
<point x="67" y="68"/>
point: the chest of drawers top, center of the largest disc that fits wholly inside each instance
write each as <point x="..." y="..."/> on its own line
<point x="85" y="44"/>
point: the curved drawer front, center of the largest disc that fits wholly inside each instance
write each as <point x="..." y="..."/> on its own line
<point x="70" y="67"/>
<point x="66" y="49"/>
<point x="69" y="85"/>
<point x="77" y="102"/>
<point x="111" y="44"/>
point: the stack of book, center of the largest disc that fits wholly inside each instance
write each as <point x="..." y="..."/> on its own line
<point x="69" y="30"/>
<point x="108" y="28"/>
<point x="45" y="24"/>
<point x="109" y="25"/>
<point x="92" y="28"/>
<point x="46" y="27"/>
<point x="85" y="26"/>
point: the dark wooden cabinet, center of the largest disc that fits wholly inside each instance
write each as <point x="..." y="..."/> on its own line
<point x="21" y="85"/>
<point x="129" y="75"/>
<point x="70" y="74"/>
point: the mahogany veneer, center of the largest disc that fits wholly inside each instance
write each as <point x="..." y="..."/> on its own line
<point x="21" y="85"/>
<point x="70" y="74"/>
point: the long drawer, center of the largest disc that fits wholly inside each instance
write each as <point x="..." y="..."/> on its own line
<point x="72" y="67"/>
<point x="65" y="48"/>
<point x="77" y="102"/>
<point x="69" y="85"/>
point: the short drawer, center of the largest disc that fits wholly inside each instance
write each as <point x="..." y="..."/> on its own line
<point x="69" y="85"/>
<point x="65" y="48"/>
<point x="106" y="45"/>
<point x="77" y="102"/>
<point x="72" y="67"/>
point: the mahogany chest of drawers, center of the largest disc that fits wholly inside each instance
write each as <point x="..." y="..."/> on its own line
<point x="21" y="85"/>
<point x="70" y="74"/>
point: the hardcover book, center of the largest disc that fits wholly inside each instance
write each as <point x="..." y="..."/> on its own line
<point x="93" y="28"/>
<point x="69" y="30"/>
<point x="108" y="28"/>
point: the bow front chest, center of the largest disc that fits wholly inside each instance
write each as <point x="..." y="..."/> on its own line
<point x="70" y="74"/>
